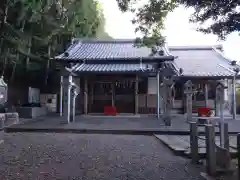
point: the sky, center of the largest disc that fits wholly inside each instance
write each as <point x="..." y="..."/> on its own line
<point x="178" y="30"/>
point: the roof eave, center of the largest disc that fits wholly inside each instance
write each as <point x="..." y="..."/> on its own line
<point x="117" y="60"/>
<point x="208" y="77"/>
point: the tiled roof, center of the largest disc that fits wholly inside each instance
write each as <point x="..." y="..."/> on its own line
<point x="106" y="49"/>
<point x="195" y="61"/>
<point x="120" y="67"/>
<point x="202" y="61"/>
<point x="112" y="67"/>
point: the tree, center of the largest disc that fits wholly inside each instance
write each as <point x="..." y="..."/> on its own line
<point x="101" y="33"/>
<point x="149" y="18"/>
<point x="32" y="31"/>
<point x="224" y="14"/>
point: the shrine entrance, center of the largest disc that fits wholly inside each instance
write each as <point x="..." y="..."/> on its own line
<point x="112" y="91"/>
<point x="124" y="96"/>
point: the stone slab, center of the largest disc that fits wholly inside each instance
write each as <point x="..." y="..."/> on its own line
<point x="181" y="144"/>
<point x="174" y="142"/>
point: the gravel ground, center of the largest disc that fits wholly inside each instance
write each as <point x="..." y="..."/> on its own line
<point x="102" y="157"/>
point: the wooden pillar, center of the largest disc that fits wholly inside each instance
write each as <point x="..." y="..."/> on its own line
<point x="183" y="100"/>
<point x="136" y="95"/>
<point x="61" y="97"/>
<point x="113" y="93"/>
<point x="234" y="97"/>
<point x="158" y="95"/>
<point x="91" y="100"/>
<point x="85" y="96"/>
<point x="206" y="94"/>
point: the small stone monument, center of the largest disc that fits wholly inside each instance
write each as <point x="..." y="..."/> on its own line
<point x="188" y="90"/>
<point x="167" y="99"/>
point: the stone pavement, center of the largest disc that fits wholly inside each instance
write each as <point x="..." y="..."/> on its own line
<point x="120" y="125"/>
<point x="181" y="144"/>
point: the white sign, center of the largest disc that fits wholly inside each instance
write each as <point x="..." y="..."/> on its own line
<point x="33" y="95"/>
<point x="152" y="85"/>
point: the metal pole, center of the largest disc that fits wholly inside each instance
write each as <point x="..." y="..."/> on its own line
<point x="158" y="95"/>
<point x="210" y="149"/>
<point x="238" y="154"/>
<point x="194" y="142"/>
<point x="61" y="97"/>
<point x="234" y="97"/>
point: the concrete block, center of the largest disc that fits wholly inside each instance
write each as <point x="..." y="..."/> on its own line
<point x="31" y="112"/>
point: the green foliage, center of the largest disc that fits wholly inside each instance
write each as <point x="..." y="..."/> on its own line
<point x="32" y="31"/>
<point x="224" y="14"/>
<point x="149" y="18"/>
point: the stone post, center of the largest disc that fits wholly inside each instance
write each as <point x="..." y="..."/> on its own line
<point x="194" y="142"/>
<point x="188" y="90"/>
<point x="220" y="101"/>
<point x="226" y="137"/>
<point x="75" y="94"/>
<point x="67" y="97"/>
<point x="167" y="96"/>
<point x="238" y="154"/>
<point x="210" y="150"/>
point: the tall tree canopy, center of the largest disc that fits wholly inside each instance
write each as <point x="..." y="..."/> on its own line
<point x="149" y="18"/>
<point x="224" y="15"/>
<point x="32" y="31"/>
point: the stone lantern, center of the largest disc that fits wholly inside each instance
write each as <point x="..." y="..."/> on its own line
<point x="3" y="91"/>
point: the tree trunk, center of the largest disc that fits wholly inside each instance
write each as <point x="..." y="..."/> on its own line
<point x="48" y="63"/>
<point x="29" y="52"/>
<point x="14" y="69"/>
<point x="5" y="62"/>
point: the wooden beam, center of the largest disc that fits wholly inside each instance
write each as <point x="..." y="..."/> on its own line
<point x="117" y="60"/>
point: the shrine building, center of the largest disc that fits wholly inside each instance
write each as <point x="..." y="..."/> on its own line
<point x="118" y="73"/>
